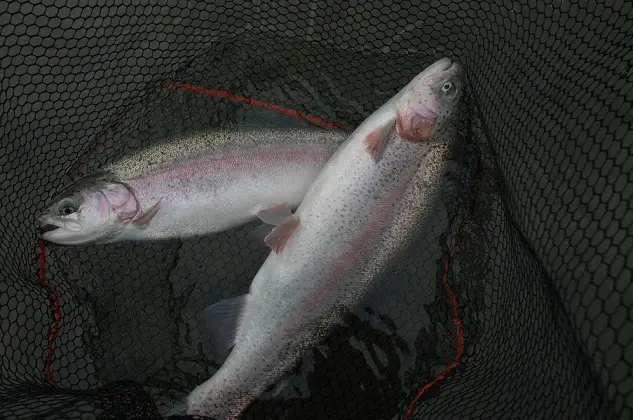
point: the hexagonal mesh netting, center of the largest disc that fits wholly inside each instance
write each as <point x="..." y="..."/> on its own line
<point x="514" y="302"/>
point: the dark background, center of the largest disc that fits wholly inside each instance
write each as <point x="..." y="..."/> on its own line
<point x="543" y="275"/>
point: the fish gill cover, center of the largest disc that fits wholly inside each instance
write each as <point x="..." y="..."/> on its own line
<point x="514" y="303"/>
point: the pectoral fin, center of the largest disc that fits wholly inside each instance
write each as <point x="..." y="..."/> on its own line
<point x="378" y="139"/>
<point x="279" y="236"/>
<point x="148" y="215"/>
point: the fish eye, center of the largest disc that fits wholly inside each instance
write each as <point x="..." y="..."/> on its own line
<point x="448" y="87"/>
<point x="67" y="207"/>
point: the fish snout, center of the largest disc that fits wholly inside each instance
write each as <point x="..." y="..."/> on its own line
<point x="46" y="224"/>
<point x="440" y="70"/>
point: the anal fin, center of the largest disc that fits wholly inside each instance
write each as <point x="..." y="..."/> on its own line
<point x="273" y="214"/>
<point x="222" y="320"/>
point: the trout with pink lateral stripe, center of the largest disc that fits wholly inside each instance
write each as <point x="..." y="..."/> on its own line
<point x="361" y="214"/>
<point x="199" y="184"/>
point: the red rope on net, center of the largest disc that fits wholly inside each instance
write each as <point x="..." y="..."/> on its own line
<point x="57" y="313"/>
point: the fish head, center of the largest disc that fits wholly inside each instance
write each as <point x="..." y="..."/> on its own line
<point x="92" y="210"/>
<point x="430" y="101"/>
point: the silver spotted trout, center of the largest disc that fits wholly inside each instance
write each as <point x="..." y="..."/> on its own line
<point x="198" y="184"/>
<point x="363" y="211"/>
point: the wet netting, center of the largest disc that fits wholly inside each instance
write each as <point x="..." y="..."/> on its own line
<point x="515" y="301"/>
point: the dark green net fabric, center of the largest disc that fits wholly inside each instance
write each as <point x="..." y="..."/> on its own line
<point x="517" y="302"/>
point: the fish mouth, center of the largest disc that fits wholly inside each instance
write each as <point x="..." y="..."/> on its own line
<point x="46" y="224"/>
<point x="443" y="65"/>
<point x="440" y="69"/>
<point x="47" y="228"/>
<point x="454" y="68"/>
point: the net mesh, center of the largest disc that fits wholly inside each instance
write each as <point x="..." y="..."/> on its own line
<point x="516" y="303"/>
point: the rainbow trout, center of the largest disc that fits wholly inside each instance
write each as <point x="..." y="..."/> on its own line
<point x="363" y="211"/>
<point x="199" y="184"/>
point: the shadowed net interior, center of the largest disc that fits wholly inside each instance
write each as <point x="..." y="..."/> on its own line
<point x="515" y="302"/>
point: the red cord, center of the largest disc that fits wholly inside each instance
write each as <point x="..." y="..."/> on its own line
<point x="255" y="102"/>
<point x="460" y="344"/>
<point x="459" y="333"/>
<point x="56" y="310"/>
